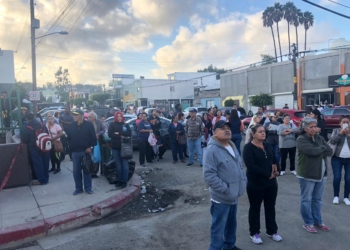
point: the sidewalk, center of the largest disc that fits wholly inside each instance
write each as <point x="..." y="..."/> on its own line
<point x="27" y="213"/>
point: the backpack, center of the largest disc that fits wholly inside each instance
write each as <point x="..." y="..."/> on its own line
<point x="42" y="139"/>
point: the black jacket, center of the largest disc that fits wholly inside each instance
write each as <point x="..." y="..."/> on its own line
<point x="172" y="131"/>
<point x="29" y="130"/>
<point x="272" y="136"/>
<point x="123" y="129"/>
<point x="259" y="166"/>
<point x="81" y="136"/>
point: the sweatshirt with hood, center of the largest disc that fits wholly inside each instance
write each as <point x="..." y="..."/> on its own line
<point x="223" y="173"/>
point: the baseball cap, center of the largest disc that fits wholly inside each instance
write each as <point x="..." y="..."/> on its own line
<point x="78" y="112"/>
<point x="193" y="110"/>
<point x="221" y="124"/>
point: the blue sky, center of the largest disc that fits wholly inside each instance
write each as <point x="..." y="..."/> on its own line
<point x="152" y="38"/>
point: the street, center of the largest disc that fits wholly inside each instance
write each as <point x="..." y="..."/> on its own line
<point x="186" y="224"/>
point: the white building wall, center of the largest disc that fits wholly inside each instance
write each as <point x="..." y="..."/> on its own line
<point x="167" y="89"/>
<point x="203" y="78"/>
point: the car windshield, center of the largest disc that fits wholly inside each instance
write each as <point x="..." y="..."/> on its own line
<point x="300" y="114"/>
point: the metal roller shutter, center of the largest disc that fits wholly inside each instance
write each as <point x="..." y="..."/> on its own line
<point x="280" y="100"/>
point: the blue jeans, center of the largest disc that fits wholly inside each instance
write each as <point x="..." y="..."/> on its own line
<point x="223" y="226"/>
<point x="194" y="145"/>
<point x="41" y="162"/>
<point x="311" y="201"/>
<point x="176" y="148"/>
<point x="122" y="166"/>
<point x="277" y="152"/>
<point x="77" y="158"/>
<point x="337" y="166"/>
<point x="236" y="139"/>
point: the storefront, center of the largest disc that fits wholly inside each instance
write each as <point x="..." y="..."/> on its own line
<point x="341" y="85"/>
<point x="318" y="96"/>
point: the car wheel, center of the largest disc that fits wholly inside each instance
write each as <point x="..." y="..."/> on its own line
<point x="245" y="128"/>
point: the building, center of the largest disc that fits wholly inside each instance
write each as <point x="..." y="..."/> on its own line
<point x="7" y="71"/>
<point x="314" y="82"/>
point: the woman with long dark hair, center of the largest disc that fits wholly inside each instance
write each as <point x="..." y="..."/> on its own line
<point x="262" y="170"/>
<point x="236" y="128"/>
<point x="117" y="131"/>
<point x="208" y="127"/>
<point x="316" y="114"/>
<point x="218" y="117"/>
<point x="175" y="130"/>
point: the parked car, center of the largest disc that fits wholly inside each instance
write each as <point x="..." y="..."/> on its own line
<point x="332" y="116"/>
<point x="201" y="110"/>
<point x="164" y="125"/>
<point x="295" y="115"/>
<point x="149" y="111"/>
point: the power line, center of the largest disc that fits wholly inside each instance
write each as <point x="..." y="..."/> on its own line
<point x="339" y="4"/>
<point x="319" y="6"/>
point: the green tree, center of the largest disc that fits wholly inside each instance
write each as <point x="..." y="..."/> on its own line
<point x="100" y="97"/>
<point x="277" y="17"/>
<point x="261" y="100"/>
<point x="78" y="101"/>
<point x="267" y="17"/>
<point x="229" y="103"/>
<point x="308" y="22"/>
<point x="22" y="88"/>
<point x="211" y="68"/>
<point x="289" y="9"/>
<point x="61" y="82"/>
<point x="267" y="59"/>
<point x="42" y="97"/>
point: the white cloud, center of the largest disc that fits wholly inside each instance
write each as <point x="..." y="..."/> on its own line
<point x="230" y="42"/>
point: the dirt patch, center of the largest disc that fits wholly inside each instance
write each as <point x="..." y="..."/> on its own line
<point x="152" y="200"/>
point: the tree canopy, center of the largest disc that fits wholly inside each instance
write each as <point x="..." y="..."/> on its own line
<point x="261" y="100"/>
<point x="211" y="68"/>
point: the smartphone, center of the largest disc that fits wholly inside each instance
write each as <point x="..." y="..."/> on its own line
<point x="345" y="125"/>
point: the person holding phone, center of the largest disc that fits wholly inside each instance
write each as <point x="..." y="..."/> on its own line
<point x="341" y="158"/>
<point x="262" y="170"/>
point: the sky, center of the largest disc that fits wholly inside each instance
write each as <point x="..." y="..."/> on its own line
<point x="152" y="38"/>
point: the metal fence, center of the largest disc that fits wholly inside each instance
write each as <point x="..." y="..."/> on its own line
<point x="10" y="115"/>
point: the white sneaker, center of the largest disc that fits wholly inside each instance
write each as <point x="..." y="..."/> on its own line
<point x="282" y="173"/>
<point x="275" y="237"/>
<point x="256" y="239"/>
<point x="294" y="172"/>
<point x="336" y="200"/>
<point x="347" y="201"/>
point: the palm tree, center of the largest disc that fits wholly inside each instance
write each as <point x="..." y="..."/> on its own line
<point x="268" y="22"/>
<point x="298" y="19"/>
<point x="308" y="22"/>
<point x="288" y="10"/>
<point x="277" y="17"/>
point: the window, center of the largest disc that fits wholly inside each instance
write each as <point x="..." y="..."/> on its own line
<point x="210" y="103"/>
<point x="328" y="112"/>
<point x="341" y="112"/>
<point x="172" y="88"/>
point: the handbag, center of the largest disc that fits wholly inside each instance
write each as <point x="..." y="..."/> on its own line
<point x="126" y="150"/>
<point x="88" y="163"/>
<point x="97" y="153"/>
<point x="182" y="140"/>
<point x="57" y="145"/>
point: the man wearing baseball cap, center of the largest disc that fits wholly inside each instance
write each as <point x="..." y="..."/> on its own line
<point x="82" y="137"/>
<point x="194" y="131"/>
<point x="223" y="172"/>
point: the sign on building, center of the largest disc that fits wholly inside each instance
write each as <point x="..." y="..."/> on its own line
<point x="338" y="80"/>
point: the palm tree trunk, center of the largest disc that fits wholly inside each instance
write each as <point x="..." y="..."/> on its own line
<point x="288" y="38"/>
<point x="274" y="42"/>
<point x="279" y="41"/>
<point x="305" y="38"/>
<point x="296" y="34"/>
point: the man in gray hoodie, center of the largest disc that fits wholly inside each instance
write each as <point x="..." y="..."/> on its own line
<point x="223" y="172"/>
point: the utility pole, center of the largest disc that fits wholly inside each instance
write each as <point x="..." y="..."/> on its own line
<point x="34" y="25"/>
<point x="294" y="60"/>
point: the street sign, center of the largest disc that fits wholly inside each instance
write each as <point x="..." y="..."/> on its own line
<point x="34" y="95"/>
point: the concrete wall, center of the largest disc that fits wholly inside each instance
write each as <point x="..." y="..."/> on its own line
<point x="347" y="63"/>
<point x="160" y="89"/>
<point x="282" y="77"/>
<point x="258" y="80"/>
<point x="7" y="70"/>
<point x="318" y="68"/>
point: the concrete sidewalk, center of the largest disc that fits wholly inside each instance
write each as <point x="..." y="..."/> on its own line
<point x="27" y="213"/>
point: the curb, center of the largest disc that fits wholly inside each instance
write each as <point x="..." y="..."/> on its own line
<point x="14" y="235"/>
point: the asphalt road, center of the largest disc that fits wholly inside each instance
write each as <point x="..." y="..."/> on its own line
<point x="186" y="224"/>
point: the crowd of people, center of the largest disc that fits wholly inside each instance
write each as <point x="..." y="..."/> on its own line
<point x="271" y="138"/>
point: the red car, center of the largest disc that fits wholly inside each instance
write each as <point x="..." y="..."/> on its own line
<point x="332" y="116"/>
<point x="295" y="114"/>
